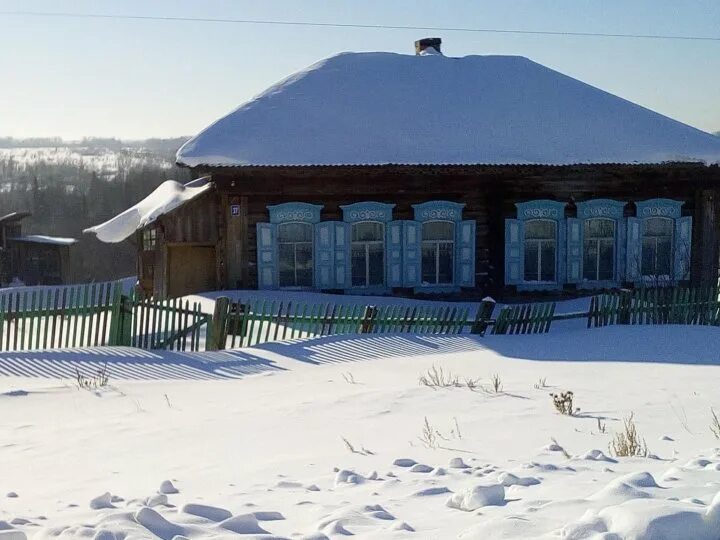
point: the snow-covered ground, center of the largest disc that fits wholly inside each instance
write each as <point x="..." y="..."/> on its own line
<point x="254" y="440"/>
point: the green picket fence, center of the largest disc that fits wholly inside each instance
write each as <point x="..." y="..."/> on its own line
<point x="525" y="319"/>
<point x="670" y="305"/>
<point x="49" y="318"/>
<point x="166" y="324"/>
<point x="96" y="315"/>
<point x="253" y="323"/>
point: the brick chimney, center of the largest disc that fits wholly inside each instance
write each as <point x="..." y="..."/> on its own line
<point x="422" y="46"/>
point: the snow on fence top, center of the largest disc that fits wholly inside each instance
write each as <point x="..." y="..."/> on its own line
<point x="167" y="197"/>
<point x="386" y="108"/>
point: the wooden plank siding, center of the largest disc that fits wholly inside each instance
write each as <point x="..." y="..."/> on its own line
<point x="489" y="194"/>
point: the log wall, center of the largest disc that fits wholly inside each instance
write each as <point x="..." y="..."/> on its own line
<point x="489" y="193"/>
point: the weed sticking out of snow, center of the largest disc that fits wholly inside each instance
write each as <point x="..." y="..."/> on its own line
<point x="556" y="447"/>
<point x="628" y="442"/>
<point x="436" y="377"/>
<point x="563" y="403"/>
<point x="496" y="384"/>
<point x="714" y="424"/>
<point x="349" y="378"/>
<point x="93" y="382"/>
<point x="362" y="451"/>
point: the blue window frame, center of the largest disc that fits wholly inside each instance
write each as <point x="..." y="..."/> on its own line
<point x="439" y="248"/>
<point x="286" y="247"/>
<point x="596" y="244"/>
<point x="535" y="246"/>
<point x="370" y="252"/>
<point x="659" y="243"/>
<point x="367" y="252"/>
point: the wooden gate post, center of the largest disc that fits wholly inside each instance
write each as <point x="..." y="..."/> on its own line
<point x="484" y="314"/>
<point x="368" y="320"/>
<point x="121" y="322"/>
<point x="624" y="306"/>
<point x="217" y="330"/>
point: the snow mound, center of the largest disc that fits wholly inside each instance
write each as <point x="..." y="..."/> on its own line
<point x="102" y="501"/>
<point x="211" y="513"/>
<point x="168" y="488"/>
<point x="166" y="198"/>
<point x="477" y="497"/>
<point x="378" y="108"/>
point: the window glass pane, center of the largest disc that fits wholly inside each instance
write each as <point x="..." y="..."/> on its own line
<point x="357" y="255"/>
<point x="295" y="251"/>
<point x="590" y="257"/>
<point x="547" y="260"/>
<point x="376" y="274"/>
<point x="367" y="231"/>
<point x="445" y="262"/>
<point x="438" y="230"/>
<point x="664" y="257"/>
<point x="606" y="270"/>
<point x="295" y="232"/>
<point x="599" y="228"/>
<point x="599" y="249"/>
<point x="531" y="261"/>
<point x="658" y="227"/>
<point x="540" y="229"/>
<point x="303" y="261"/>
<point x="287" y="265"/>
<point x="657" y="247"/>
<point x="428" y="263"/>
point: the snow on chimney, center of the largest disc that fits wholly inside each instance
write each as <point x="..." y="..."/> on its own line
<point x="428" y="46"/>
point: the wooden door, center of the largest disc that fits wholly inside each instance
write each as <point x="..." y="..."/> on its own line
<point x="190" y="269"/>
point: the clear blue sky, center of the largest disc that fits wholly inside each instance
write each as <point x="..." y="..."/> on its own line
<point x="137" y="79"/>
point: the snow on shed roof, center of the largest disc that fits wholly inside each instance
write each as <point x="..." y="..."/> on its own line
<point x="387" y="108"/>
<point x="14" y="216"/>
<point x="43" y="239"/>
<point x="167" y="197"/>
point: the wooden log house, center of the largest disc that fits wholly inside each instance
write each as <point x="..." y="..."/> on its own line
<point x="381" y="173"/>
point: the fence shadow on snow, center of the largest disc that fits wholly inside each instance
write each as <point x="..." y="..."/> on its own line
<point x="127" y="363"/>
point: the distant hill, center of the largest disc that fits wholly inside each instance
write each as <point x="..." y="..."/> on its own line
<point x="95" y="153"/>
<point x="71" y="185"/>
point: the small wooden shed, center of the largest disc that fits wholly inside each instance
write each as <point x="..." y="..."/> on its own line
<point x="32" y="259"/>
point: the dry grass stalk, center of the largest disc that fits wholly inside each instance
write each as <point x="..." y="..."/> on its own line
<point x="715" y="424"/>
<point x="628" y="443"/>
<point x="563" y="403"/>
<point x="429" y="436"/>
<point x="561" y="448"/>
<point x="496" y="383"/>
<point x="99" y="380"/>
<point x="436" y="377"/>
<point x="541" y="384"/>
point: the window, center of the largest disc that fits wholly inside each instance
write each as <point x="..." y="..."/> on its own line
<point x="657" y="252"/>
<point x="368" y="254"/>
<point x="149" y="239"/>
<point x="540" y="250"/>
<point x="295" y="247"/>
<point x="599" y="249"/>
<point x="438" y="248"/>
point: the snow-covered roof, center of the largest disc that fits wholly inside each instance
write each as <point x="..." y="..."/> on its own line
<point x="14" y="216"/>
<point x="386" y="108"/>
<point x="167" y="197"/>
<point x="42" y="239"/>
